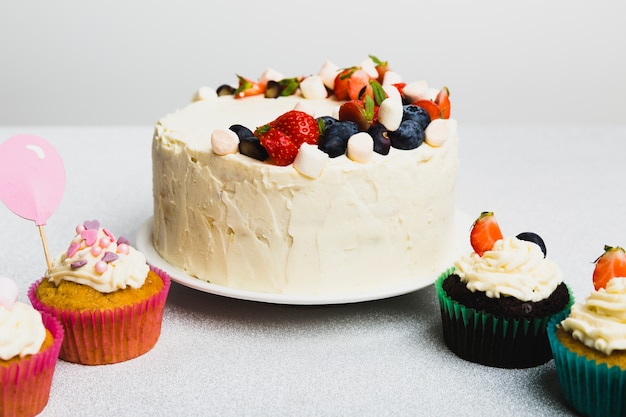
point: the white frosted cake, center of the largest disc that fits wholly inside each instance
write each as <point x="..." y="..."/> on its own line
<point x="360" y="221"/>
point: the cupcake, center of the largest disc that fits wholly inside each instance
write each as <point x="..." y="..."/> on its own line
<point x="589" y="342"/>
<point x="109" y="301"/>
<point x="29" y="348"/>
<point x="496" y="301"/>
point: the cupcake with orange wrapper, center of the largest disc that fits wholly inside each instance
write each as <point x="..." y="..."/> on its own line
<point x="109" y="301"/>
<point x="496" y="301"/>
<point x="29" y="348"/>
<point x="589" y="342"/>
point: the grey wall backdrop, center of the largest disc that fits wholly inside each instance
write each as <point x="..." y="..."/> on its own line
<point x="130" y="62"/>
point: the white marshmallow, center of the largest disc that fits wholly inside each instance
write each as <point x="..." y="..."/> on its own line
<point x="392" y="92"/>
<point x="328" y="73"/>
<point x="437" y="132"/>
<point x="360" y="147"/>
<point x="305" y="107"/>
<point x="391" y="78"/>
<point x="390" y="113"/>
<point x="310" y="160"/>
<point x="224" y="141"/>
<point x="270" y="75"/>
<point x="313" y="88"/>
<point x="417" y="90"/>
<point x="370" y="67"/>
<point x="204" y="93"/>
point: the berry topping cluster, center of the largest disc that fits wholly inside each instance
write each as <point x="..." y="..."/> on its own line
<point x="486" y="232"/>
<point x="376" y="112"/>
<point x="91" y="240"/>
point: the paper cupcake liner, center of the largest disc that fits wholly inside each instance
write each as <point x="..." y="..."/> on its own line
<point x="98" y="337"/>
<point x="25" y="385"/>
<point x="591" y="388"/>
<point x="483" y="338"/>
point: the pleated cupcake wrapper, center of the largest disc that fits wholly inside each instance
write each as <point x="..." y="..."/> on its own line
<point x="591" y="388"/>
<point x="98" y="337"/>
<point x="25" y="385"/>
<point x="483" y="338"/>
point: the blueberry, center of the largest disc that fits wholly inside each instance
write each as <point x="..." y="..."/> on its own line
<point x="417" y="113"/>
<point x="225" y="90"/>
<point x="251" y="146"/>
<point x="325" y="122"/>
<point x="334" y="140"/>
<point x="409" y="135"/>
<point x="382" y="143"/>
<point x="241" y="131"/>
<point x="534" y="238"/>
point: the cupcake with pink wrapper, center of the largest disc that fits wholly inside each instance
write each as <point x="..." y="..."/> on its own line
<point x="30" y="342"/>
<point x="108" y="299"/>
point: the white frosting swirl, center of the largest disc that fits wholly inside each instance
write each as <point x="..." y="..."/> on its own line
<point x="95" y="259"/>
<point x="514" y="267"/>
<point x="21" y="331"/>
<point x="600" y="322"/>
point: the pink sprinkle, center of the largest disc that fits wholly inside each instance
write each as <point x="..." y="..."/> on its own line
<point x="80" y="229"/>
<point x="92" y="224"/>
<point x="71" y="251"/>
<point x="96" y="250"/>
<point x="123" y="248"/>
<point x="104" y="242"/>
<point x="101" y="267"/>
<point x="90" y="236"/>
<point x="109" y="234"/>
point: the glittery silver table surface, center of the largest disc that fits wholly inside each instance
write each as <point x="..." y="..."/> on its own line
<point x="219" y="356"/>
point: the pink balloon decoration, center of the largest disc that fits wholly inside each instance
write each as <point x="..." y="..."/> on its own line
<point x="32" y="177"/>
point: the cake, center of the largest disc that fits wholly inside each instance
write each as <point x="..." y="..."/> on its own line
<point x="496" y="301"/>
<point x="109" y="301"/>
<point x="29" y="347"/>
<point x="360" y="198"/>
<point x="589" y="342"/>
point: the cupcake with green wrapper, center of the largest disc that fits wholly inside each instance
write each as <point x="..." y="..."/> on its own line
<point x="589" y="342"/>
<point x="496" y="302"/>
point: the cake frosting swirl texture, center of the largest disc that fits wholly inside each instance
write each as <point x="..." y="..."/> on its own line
<point x="236" y="221"/>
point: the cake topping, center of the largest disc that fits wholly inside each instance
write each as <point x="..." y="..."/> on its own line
<point x="600" y="322"/>
<point x="360" y="147"/>
<point x="21" y="329"/>
<point x="224" y="141"/>
<point x="96" y="259"/>
<point x="310" y="161"/>
<point x="612" y="263"/>
<point x="506" y="266"/>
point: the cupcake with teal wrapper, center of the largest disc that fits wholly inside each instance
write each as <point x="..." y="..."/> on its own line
<point x="496" y="301"/>
<point x="589" y="342"/>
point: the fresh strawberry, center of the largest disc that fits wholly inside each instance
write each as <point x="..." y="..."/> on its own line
<point x="485" y="232"/>
<point x="381" y="68"/>
<point x="443" y="102"/>
<point x="349" y="83"/>
<point x="611" y="264"/>
<point x="248" y="88"/>
<point x="299" y="126"/>
<point x="278" y="145"/>
<point x="440" y="107"/>
<point x="361" y="112"/>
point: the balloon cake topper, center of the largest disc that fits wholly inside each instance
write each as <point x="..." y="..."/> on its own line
<point x="32" y="180"/>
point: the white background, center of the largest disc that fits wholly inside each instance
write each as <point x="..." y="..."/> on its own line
<point x="130" y="62"/>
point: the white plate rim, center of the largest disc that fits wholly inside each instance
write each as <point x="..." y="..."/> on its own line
<point x="145" y="245"/>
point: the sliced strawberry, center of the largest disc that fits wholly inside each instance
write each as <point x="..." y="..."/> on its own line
<point x="443" y="102"/>
<point x="278" y="145"/>
<point x="357" y="83"/>
<point x="611" y="264"/>
<point x="431" y="107"/>
<point x="485" y="232"/>
<point x="248" y="88"/>
<point x="299" y="126"/>
<point x="381" y="67"/>
<point x="341" y="85"/>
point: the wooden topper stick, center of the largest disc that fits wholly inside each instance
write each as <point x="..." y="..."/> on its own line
<point x="45" y="247"/>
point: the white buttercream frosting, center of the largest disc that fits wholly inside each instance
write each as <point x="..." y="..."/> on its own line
<point x="514" y="268"/>
<point x="22" y="331"/>
<point x="94" y="258"/>
<point x="600" y="322"/>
